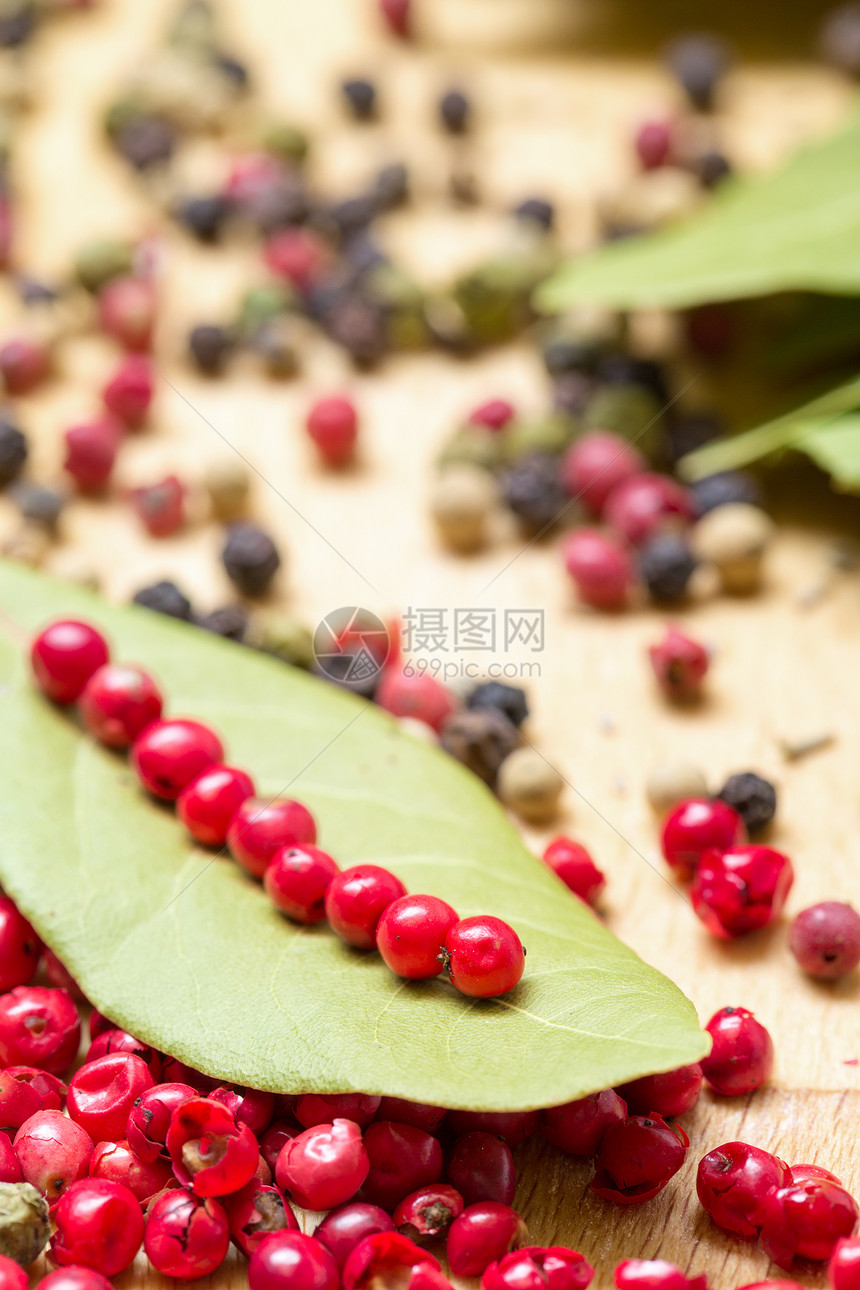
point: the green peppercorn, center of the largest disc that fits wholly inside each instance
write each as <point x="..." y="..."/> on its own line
<point x="101" y="260"/>
<point x="24" y="1223"/>
<point x="473" y="445"/>
<point x="549" y="435"/>
<point x="259" y="304"/>
<point x="281" y="634"/>
<point x="285" y="141"/>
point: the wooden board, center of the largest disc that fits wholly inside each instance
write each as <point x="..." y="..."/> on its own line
<point x="553" y="120"/>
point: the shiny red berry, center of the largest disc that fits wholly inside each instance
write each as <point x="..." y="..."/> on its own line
<point x="671" y="1094"/>
<point x="356" y="899"/>
<point x="120" y="1041"/>
<point x="483" y="957"/>
<point x="806" y="1220"/>
<point x="117" y="1162"/>
<point x="843" y="1270"/>
<point x="572" y="863"/>
<point x="398" y="15"/>
<point x="741" y="1056"/>
<point x="645" y="504"/>
<point x="680" y="665"/>
<point x="578" y="1127"/>
<point x="103" y="1092"/>
<point x="534" y="1267"/>
<point x="386" y="1258"/>
<point x="481" y="1235"/>
<point x="18" y="1101"/>
<point x="654" y="144"/>
<point x="20" y="948"/>
<point x="655" y="1274"/>
<point x="98" y="1225"/>
<point x="260" y="828"/>
<point x="250" y="1106"/>
<point x="254" y="1212"/>
<point x="118" y="702"/>
<point x="211" y="1153"/>
<point x="53" y="1152"/>
<point x="803" y="1172"/>
<point x="186" y="1236"/>
<point x="160" y="507"/>
<point x="825" y="939"/>
<point x="323" y="1108"/>
<point x="411" y="933"/>
<point x="64" y="656"/>
<point x="292" y="1261"/>
<point x="482" y="1167"/>
<point x="39" y="1027"/>
<point x="495" y="414"/>
<point x="296" y="882"/>
<point x="421" y="1114"/>
<point x="207" y="805"/>
<point x="428" y="1212"/>
<point x="12" y="1275"/>
<point x="732" y="1182"/>
<point x="273" y="1139"/>
<point x="91" y="451"/>
<point x="149" y="1118"/>
<point x="402" y="1159"/>
<point x="417" y="695"/>
<point x="696" y="825"/>
<point x="127" y="311"/>
<point x="343" y="1228"/>
<point x="324" y="1166"/>
<point x="10" y="1169"/>
<point x="50" y="1090"/>
<point x="597" y="462"/>
<point x="332" y="424"/>
<point x="601" y="568"/>
<point x="637" y="1159"/>
<point x="168" y="755"/>
<point x="128" y="394"/>
<point x="74" y="1279"/>
<point x="739" y="891"/>
<point x="24" y="363"/>
<point x="298" y="254"/>
<point x="516" y="1127"/>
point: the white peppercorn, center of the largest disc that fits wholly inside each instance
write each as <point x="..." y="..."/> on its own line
<point x="530" y="786"/>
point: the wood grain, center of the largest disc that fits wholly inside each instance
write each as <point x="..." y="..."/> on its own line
<point x="550" y="119"/>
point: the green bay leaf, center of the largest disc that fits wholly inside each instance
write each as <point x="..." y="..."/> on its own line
<point x="797" y="228"/>
<point x="184" y="950"/>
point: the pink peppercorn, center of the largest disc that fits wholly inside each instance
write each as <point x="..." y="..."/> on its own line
<point x="50" y="1091"/>
<point x="117" y="1162"/>
<point x="298" y="255"/>
<point x="120" y="1041"/>
<point x="825" y="940"/>
<point x="273" y="1139"/>
<point x="324" y="1166"/>
<point x="343" y="1228"/>
<point x="401" y="1159"/>
<point x="10" y="1169"/>
<point x="680" y="665"/>
<point x="259" y="829"/>
<point x="24" y="363"/>
<point x="482" y="1167"/>
<point x="128" y="394"/>
<point x="732" y="1182"/>
<point x="410" y="935"/>
<point x="64" y="656"/>
<point x="741" y="1056"/>
<point x="297" y="880"/>
<point x="119" y="701"/>
<point x="386" y="1258"/>
<point x="644" y="504"/>
<point x="843" y="1270"/>
<point x="398" y="14"/>
<point x="12" y="1276"/>
<point x="40" y="1027"/>
<point x="742" y="890"/>
<point x="91" y="450"/>
<point x="211" y="1153"/>
<point x="160" y="507"/>
<point x="697" y="825"/>
<point x="103" y="1092"/>
<point x="168" y="755"/>
<point x="18" y="1101"/>
<point x="495" y="414"/>
<point x="600" y="567"/>
<point x="127" y="308"/>
<point x="332" y="424"/>
<point x="250" y="1106"/>
<point x="571" y="862"/>
<point x="421" y="1114"/>
<point x="292" y="1261"/>
<point x="98" y="1225"/>
<point x="149" y="1119"/>
<point x="516" y="1127"/>
<point x="20" y="948"/>
<point x="595" y="464"/>
<point x="428" y="1211"/>
<point x="671" y="1094"/>
<point x="654" y="144"/>
<point x="418" y="695"/>
<point x="578" y="1127"/>
<point x="806" y="1220"/>
<point x="53" y="1152"/>
<point x="655" y="1274"/>
<point x="74" y="1279"/>
<point x="186" y="1236"/>
<point x="637" y="1159"/>
<point x="207" y="805"/>
<point x="254" y="1212"/>
<point x="533" y="1266"/>
<point x="481" y="1235"/>
<point x="355" y="901"/>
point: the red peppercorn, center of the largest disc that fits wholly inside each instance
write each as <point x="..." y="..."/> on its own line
<point x="260" y="828"/>
<point x="421" y="1114"/>
<point x="292" y="1261"/>
<point x="149" y="1119"/>
<point x="637" y="1159"/>
<point x="578" y="1127"/>
<point x="24" y="363"/>
<point x="429" y="1211"/>
<point x="495" y="414"/>
<point x="53" y="1152"/>
<point x="732" y="1182"/>
<point x="597" y="463"/>
<point x="20" y="948"/>
<point x="696" y="825"/>
<point x="59" y="975"/>
<point x="418" y="695"/>
<point x="103" y="1092"/>
<point x="117" y="1162"/>
<point x="825" y="939"/>
<point x="483" y="957"/>
<point x="98" y="1225"/>
<point x="39" y="1027"/>
<point x="50" y="1091"/>
<point x="843" y="1270"/>
<point x="534" y="1266"/>
<point x="91" y="450"/>
<point x="273" y="1138"/>
<point x="386" y="1258"/>
<point x="655" y="1274"/>
<point x="211" y="1153"/>
<point x="18" y="1101"/>
<point x="128" y="394"/>
<point x="398" y="14"/>
<point x="127" y="308"/>
<point x="120" y="1041"/>
<point x="323" y="1108"/>
<point x="654" y="144"/>
<point x="741" y="1056"/>
<point x="118" y="702"/>
<point x="324" y="1166"/>
<point x="600" y="567"/>
<point x="481" y="1167"/>
<point x="411" y="933"/>
<point x="645" y="504"/>
<point x="516" y="1127"/>
<point x="670" y="1094"/>
<point x="256" y="1211"/>
<point x="207" y="805"/>
<point x="806" y="1220"/>
<point x="297" y="254"/>
<point x="802" y="1173"/>
<point x="680" y="665"/>
<point x="739" y="891"/>
<point x="64" y="656"/>
<point x="74" y="1279"/>
<point x="401" y="1159"/>
<point x="356" y="900"/>
<point x="186" y="1236"/>
<point x="297" y="880"/>
<point x="343" y="1229"/>
<point x="168" y="755"/>
<point x="12" y="1276"/>
<point x="481" y="1235"/>
<point x="332" y="424"/>
<point x="250" y="1106"/>
<point x="10" y="1169"/>
<point x="572" y="863"/>
<point x="160" y="507"/>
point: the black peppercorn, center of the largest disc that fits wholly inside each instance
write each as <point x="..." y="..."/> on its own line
<point x="229" y="622"/>
<point x="454" y="112"/>
<point x="250" y="558"/>
<point x="686" y="432"/>
<point x="533" y="491"/>
<point x="33" y="292"/>
<point x="203" y="217"/>
<point x="711" y="168"/>
<point x="535" y="210"/>
<point x="354" y="214"/>
<point x="17" y="25"/>
<point x="509" y="700"/>
<point x="481" y="739"/>
<point x="698" y="62"/>
<point x="209" y="347"/>
<point x="666" y="564"/>
<point x="359" y="96"/>
<point x="752" y="797"/>
<point x="234" y="71"/>
<point x="145" y="141"/>
<point x="165" y="598"/>
<point x="281" y="204"/>
<point x="571" y="393"/>
<point x="37" y="504"/>
<point x="723" y="489"/>
<point x="839" y="40"/>
<point x="13" y="451"/>
<point x="359" y="327"/>
<point x="392" y="186"/>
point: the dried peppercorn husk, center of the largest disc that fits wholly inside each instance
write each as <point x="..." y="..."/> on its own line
<point x="24" y="1223"/>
